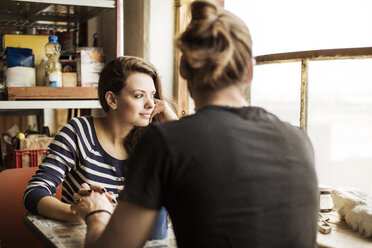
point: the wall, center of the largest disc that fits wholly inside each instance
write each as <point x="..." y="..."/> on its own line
<point x="107" y="33"/>
<point x="160" y="43"/>
<point x="149" y="33"/>
<point x="134" y="26"/>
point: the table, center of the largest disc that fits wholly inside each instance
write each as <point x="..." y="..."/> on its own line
<point x="58" y="234"/>
<point x="341" y="236"/>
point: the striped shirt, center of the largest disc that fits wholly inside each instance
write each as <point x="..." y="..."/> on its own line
<point x="75" y="157"/>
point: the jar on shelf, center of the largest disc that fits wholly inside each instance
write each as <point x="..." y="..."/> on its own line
<point x="325" y="199"/>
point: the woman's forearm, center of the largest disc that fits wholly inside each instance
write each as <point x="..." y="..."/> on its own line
<point x="51" y="207"/>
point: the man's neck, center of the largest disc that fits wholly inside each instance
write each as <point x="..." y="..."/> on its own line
<point x="230" y="96"/>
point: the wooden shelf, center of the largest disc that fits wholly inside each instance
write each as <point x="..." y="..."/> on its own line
<point x="49" y="104"/>
<point x="52" y="93"/>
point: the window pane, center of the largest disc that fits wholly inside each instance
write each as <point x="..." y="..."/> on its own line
<point x="297" y="25"/>
<point x="277" y="88"/>
<point x="340" y="121"/>
<point x="340" y="92"/>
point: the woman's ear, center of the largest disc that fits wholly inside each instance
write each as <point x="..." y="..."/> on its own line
<point x="111" y="99"/>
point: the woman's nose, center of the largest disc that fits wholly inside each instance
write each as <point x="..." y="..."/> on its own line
<point x="149" y="103"/>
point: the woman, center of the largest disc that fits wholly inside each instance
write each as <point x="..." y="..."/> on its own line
<point x="94" y="150"/>
<point x="230" y="175"/>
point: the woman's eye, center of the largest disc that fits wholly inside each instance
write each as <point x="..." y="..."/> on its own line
<point x="138" y="95"/>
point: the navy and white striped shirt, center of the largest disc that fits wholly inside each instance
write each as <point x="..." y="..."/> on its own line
<point x="75" y="157"/>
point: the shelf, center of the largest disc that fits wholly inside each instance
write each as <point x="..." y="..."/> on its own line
<point x="50" y="104"/>
<point x="90" y="3"/>
<point x="52" y="93"/>
<point x="51" y="97"/>
<point x="55" y="14"/>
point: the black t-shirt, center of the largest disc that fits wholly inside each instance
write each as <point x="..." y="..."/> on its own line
<point x="229" y="177"/>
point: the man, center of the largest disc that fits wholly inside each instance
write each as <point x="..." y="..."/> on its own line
<point x="229" y="175"/>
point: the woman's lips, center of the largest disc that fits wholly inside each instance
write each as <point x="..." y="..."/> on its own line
<point x="147" y="116"/>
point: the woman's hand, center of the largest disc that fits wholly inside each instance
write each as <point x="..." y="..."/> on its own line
<point x="87" y="189"/>
<point x="164" y="111"/>
<point x="88" y="200"/>
<point x="74" y="217"/>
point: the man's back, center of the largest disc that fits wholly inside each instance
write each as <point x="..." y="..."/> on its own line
<point x="237" y="178"/>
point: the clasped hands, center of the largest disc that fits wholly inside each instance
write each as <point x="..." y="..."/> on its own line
<point x="92" y="199"/>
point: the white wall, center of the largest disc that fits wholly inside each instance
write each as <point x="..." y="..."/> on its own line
<point x="160" y="42"/>
<point x="149" y="33"/>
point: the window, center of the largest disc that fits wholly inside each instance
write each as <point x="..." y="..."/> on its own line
<point x="339" y="91"/>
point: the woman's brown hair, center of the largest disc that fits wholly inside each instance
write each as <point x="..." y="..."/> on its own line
<point x="114" y="78"/>
<point x="216" y="48"/>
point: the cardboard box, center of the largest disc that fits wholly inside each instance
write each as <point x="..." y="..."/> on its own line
<point x="89" y="64"/>
<point x="35" y="142"/>
<point x="69" y="79"/>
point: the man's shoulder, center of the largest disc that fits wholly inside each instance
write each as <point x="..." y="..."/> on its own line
<point x="184" y="122"/>
<point x="267" y="117"/>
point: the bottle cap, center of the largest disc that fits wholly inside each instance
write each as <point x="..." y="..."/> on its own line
<point x="53" y="38"/>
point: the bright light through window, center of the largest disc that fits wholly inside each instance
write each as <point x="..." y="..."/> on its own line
<point x="297" y="25"/>
<point x="340" y="92"/>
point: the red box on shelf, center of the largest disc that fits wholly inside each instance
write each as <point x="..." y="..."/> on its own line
<point x="24" y="158"/>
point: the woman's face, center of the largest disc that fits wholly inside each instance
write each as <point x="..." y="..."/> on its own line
<point x="136" y="100"/>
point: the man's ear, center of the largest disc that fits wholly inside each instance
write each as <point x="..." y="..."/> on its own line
<point x="111" y="99"/>
<point x="249" y="71"/>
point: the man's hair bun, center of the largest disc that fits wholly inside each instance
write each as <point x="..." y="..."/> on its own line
<point x="216" y="47"/>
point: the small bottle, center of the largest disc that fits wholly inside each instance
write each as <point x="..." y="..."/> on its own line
<point x="53" y="68"/>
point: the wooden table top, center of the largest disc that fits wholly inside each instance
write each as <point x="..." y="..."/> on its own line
<point x="341" y="235"/>
<point x="58" y="234"/>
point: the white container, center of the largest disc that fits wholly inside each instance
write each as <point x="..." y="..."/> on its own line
<point x="20" y="76"/>
<point x="325" y="199"/>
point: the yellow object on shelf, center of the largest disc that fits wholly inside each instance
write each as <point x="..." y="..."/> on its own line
<point x="69" y="79"/>
<point x="35" y="42"/>
<point x="21" y="136"/>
